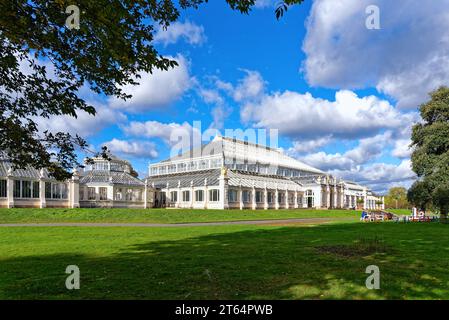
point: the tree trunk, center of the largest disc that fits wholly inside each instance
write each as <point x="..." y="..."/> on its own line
<point x="443" y="216"/>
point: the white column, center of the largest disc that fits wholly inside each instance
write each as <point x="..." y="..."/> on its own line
<point x="223" y="187"/>
<point x="179" y="195"/>
<point x="328" y="196"/>
<point x="192" y="194"/>
<point x="365" y="205"/>
<point x="382" y="206"/>
<point x="276" y="199"/>
<point x="206" y="194"/>
<point x="241" y="197"/>
<point x="145" y="195"/>
<point x="74" y="191"/>
<point x="10" y="190"/>
<point x="296" y="199"/>
<point x="42" y="200"/>
<point x="286" y="198"/>
<point x="342" y="197"/>
<point x="335" y="204"/>
<point x="253" y="198"/>
<point x="318" y="195"/>
<point x="265" y="197"/>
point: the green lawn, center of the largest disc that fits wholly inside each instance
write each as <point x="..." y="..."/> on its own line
<point x="325" y="261"/>
<point x="403" y="212"/>
<point x="160" y="215"/>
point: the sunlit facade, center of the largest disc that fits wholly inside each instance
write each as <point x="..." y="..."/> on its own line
<point x="229" y="173"/>
<point x="224" y="174"/>
<point x="104" y="183"/>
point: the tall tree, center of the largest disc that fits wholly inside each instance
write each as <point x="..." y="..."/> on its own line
<point x="112" y="46"/>
<point x="430" y="158"/>
<point x="396" y="198"/>
<point x="420" y="195"/>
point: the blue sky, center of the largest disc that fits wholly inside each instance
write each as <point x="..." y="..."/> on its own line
<point x="342" y="97"/>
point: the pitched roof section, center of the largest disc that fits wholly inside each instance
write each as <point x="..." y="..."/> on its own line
<point x="238" y="149"/>
<point x="236" y="178"/>
<point x="100" y="176"/>
<point x="215" y="147"/>
<point x="28" y="173"/>
<point x="248" y="180"/>
<point x="186" y="179"/>
<point x="256" y="153"/>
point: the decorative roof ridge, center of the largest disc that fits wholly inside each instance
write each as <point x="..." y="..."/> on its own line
<point x="275" y="176"/>
<point x="183" y="173"/>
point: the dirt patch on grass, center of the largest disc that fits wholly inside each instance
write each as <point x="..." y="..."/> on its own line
<point x="361" y="248"/>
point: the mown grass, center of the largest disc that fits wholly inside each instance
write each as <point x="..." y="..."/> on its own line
<point x="25" y="215"/>
<point x="404" y="212"/>
<point x="227" y="262"/>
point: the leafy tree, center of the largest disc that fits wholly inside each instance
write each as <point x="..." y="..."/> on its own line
<point x="396" y="198"/>
<point x="419" y="194"/>
<point x="110" y="49"/>
<point x="430" y="158"/>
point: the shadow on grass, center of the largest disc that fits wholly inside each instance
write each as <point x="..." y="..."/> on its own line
<point x="277" y="263"/>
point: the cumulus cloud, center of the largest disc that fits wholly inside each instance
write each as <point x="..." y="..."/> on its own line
<point x="188" y="31"/>
<point x="85" y="124"/>
<point x="168" y="132"/>
<point x="380" y="176"/>
<point x="250" y="87"/>
<point x="211" y="96"/>
<point x="402" y="148"/>
<point x="304" y="116"/>
<point x="157" y="89"/>
<point x="219" y="114"/>
<point x="367" y="149"/>
<point x="407" y="58"/>
<point x="305" y="146"/>
<point x="359" y="163"/>
<point x="133" y="148"/>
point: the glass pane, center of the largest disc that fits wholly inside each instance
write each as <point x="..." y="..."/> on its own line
<point x="35" y="189"/>
<point x="3" y="193"/>
<point x="17" y="188"/>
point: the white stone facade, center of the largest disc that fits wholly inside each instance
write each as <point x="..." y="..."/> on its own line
<point x="224" y="174"/>
<point x="250" y="176"/>
<point x="105" y="183"/>
<point x="34" y="188"/>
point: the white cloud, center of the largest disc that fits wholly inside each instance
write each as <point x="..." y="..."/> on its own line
<point x="85" y="124"/>
<point x="210" y="96"/>
<point x="219" y="114"/>
<point x="154" y="129"/>
<point x="407" y="58"/>
<point x="133" y="148"/>
<point x="223" y="85"/>
<point x="303" y="146"/>
<point x="156" y="90"/>
<point x="189" y="31"/>
<point x="302" y="116"/>
<point x="250" y="87"/>
<point x="402" y="148"/>
<point x="367" y="149"/>
<point x="380" y="176"/>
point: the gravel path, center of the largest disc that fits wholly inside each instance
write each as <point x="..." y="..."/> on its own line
<point x="190" y="224"/>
